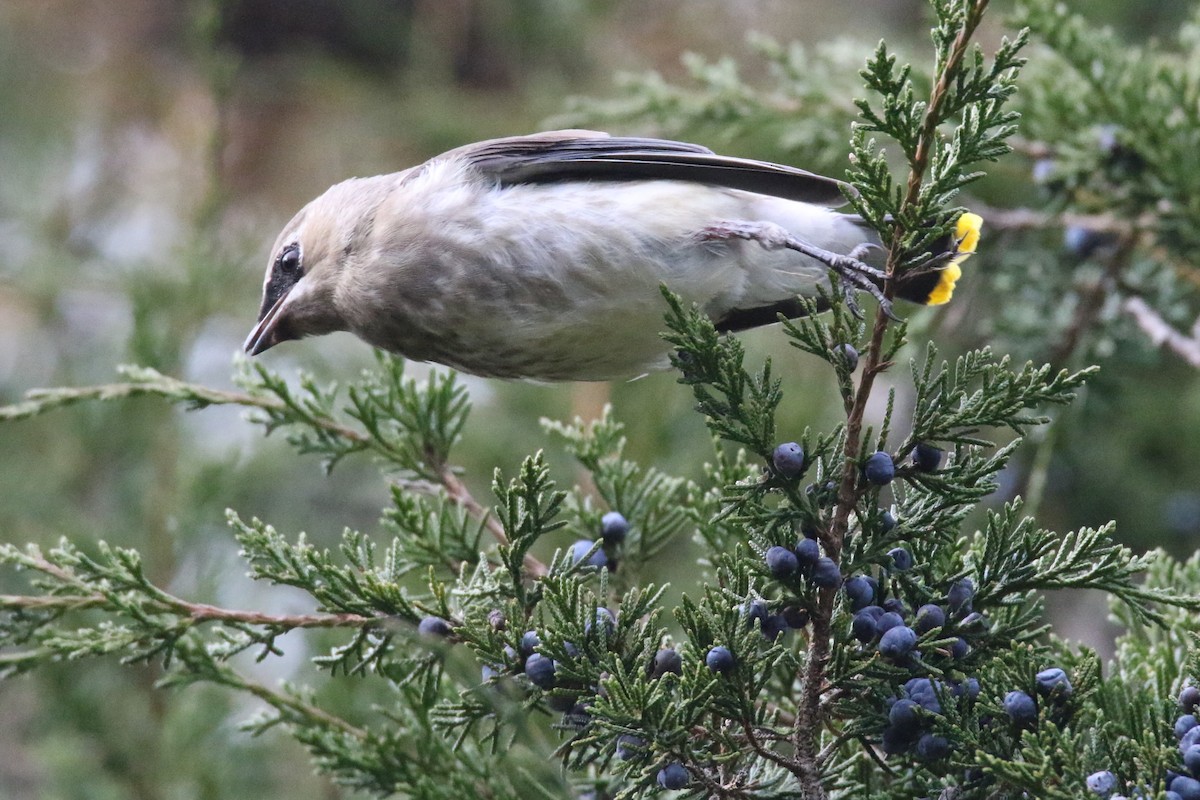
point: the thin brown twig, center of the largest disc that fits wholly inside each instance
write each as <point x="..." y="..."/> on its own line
<point x="277" y="700"/>
<point x="809" y="718"/>
<point x="1160" y="332"/>
<point x="789" y="764"/>
<point x="197" y="612"/>
<point x="457" y="491"/>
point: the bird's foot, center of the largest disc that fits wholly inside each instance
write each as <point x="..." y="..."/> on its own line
<point x="854" y="274"/>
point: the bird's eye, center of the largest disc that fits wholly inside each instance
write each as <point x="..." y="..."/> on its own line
<point x="288" y="263"/>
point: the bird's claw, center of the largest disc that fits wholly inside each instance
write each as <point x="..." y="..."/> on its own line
<point x="850" y="269"/>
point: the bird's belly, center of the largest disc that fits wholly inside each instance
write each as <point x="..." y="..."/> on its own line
<point x="581" y="328"/>
<point x="562" y="282"/>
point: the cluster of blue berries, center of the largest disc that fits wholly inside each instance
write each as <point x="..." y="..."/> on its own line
<point x="911" y="715"/>
<point x="543" y="672"/>
<point x="1185" y="785"/>
<point x="1053" y="687"/>
<point x="880" y="468"/>
<point x="720" y="659"/>
<point x="895" y="632"/>
<point x="613" y="530"/>
<point x="673" y="775"/>
<point x="1181" y="785"/>
<point x="880" y="622"/>
<point x="804" y="560"/>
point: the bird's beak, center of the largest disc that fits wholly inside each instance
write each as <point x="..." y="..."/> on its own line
<point x="270" y="329"/>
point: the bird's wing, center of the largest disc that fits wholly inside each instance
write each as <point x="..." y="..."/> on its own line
<point x="588" y="155"/>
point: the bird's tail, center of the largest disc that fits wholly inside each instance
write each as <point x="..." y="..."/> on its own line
<point x="934" y="285"/>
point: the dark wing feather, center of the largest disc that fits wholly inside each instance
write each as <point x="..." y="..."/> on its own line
<point x="587" y="155"/>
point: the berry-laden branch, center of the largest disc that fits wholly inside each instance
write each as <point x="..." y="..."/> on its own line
<point x="810" y="719"/>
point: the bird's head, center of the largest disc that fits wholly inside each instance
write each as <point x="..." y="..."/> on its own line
<point x="309" y="262"/>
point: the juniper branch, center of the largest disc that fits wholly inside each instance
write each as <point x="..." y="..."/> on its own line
<point x="151" y="383"/>
<point x="809" y="717"/>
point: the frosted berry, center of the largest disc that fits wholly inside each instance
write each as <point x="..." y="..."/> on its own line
<point x="1189" y="698"/>
<point x="1187" y="788"/>
<point x="719" y="659"/>
<point x="540" y="670"/>
<point x="847" y="355"/>
<point x="772" y="626"/>
<point x="973" y="621"/>
<point x="666" y="660"/>
<point x="860" y="591"/>
<point x="673" y="776"/>
<point x="1191" y="759"/>
<point x="879" y="468"/>
<point x="929" y="616"/>
<point x="529" y="642"/>
<point x="1020" y="708"/>
<point x="781" y="561"/>
<point x="898" y="642"/>
<point x="932" y="747"/>
<point x="434" y="626"/>
<point x="902" y="560"/>
<point x="896" y="606"/>
<point x="579" y="552"/>
<point x="605" y="620"/>
<point x="788" y="460"/>
<point x="613" y="527"/>
<point x="905" y="714"/>
<point x="1054" y="684"/>
<point x="925" y="692"/>
<point x="629" y="746"/>
<point x="875" y="611"/>
<point x="755" y="610"/>
<point x="927" y="458"/>
<point x="960" y="595"/>
<point x="1185" y="724"/>
<point x="808" y="552"/>
<point x="888" y="620"/>
<point x="826" y="573"/>
<point x="1102" y="783"/>
<point x="863" y="627"/>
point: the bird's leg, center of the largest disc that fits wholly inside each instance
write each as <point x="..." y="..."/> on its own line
<point x="850" y="268"/>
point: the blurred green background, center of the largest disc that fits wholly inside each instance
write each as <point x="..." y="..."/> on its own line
<point x="149" y="152"/>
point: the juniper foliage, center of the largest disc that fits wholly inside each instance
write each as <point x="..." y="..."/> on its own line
<point x="560" y="652"/>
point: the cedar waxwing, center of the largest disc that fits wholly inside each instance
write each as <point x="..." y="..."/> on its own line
<point x="541" y="256"/>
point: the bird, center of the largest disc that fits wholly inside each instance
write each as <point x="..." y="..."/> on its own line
<point x="542" y="257"/>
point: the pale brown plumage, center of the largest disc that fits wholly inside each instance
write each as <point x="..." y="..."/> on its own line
<point x="541" y="256"/>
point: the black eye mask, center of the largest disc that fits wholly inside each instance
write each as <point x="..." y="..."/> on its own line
<point x="285" y="273"/>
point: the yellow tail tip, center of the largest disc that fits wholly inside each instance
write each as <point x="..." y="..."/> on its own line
<point x="966" y="232"/>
